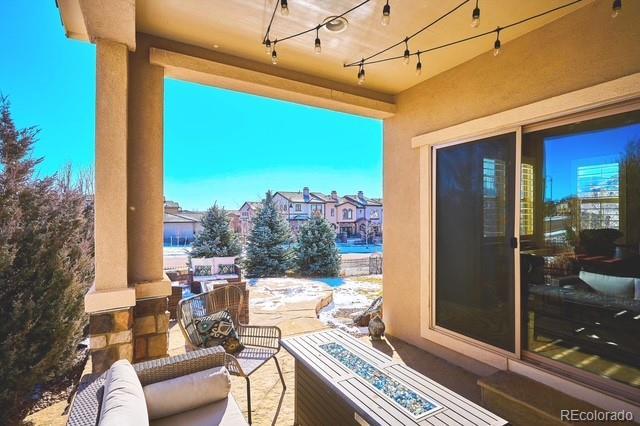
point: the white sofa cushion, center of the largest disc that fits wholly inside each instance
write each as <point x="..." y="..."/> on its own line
<point x="224" y="413"/>
<point x="623" y="287"/>
<point x="123" y="402"/>
<point x="187" y="392"/>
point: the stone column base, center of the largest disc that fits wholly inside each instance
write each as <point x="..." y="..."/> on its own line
<point x="151" y="329"/>
<point x="110" y="338"/>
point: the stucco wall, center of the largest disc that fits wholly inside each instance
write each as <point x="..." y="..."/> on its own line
<point x="574" y="52"/>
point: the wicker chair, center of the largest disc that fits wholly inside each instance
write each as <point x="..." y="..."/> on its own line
<point x="85" y="408"/>
<point x="261" y="343"/>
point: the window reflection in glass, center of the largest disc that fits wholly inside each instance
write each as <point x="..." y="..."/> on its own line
<point x="580" y="235"/>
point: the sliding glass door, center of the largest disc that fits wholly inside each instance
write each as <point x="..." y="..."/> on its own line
<point x="474" y="239"/>
<point x="580" y="257"/>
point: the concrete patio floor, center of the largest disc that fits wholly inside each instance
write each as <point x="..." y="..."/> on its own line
<point x="272" y="406"/>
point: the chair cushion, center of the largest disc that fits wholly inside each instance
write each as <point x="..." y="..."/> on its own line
<point x="123" y="401"/>
<point x="609" y="285"/>
<point x="226" y="269"/>
<point x="224" y="412"/>
<point x="187" y="392"/>
<point x="201" y="270"/>
<point x="218" y="330"/>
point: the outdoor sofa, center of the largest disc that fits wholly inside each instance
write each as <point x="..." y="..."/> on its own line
<point x="191" y="389"/>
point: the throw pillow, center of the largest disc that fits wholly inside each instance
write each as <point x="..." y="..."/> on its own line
<point x="637" y="292"/>
<point x="123" y="401"/>
<point x="226" y="269"/>
<point x="217" y="329"/>
<point x="201" y="270"/>
<point x="609" y="285"/>
<point x="187" y="392"/>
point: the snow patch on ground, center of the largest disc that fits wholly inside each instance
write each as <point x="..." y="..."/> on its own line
<point x="350" y="297"/>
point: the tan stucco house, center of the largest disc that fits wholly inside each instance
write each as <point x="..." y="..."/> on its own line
<point x="470" y="146"/>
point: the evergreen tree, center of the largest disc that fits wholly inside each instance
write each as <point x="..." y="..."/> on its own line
<point x="216" y="239"/>
<point x="268" y="248"/>
<point x="317" y="254"/>
<point x="46" y="266"/>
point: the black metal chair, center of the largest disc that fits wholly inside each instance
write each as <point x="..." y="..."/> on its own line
<point x="261" y="342"/>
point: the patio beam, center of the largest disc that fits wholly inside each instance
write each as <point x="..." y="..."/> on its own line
<point x="244" y="79"/>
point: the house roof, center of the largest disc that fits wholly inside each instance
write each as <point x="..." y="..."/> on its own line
<point x="298" y="197"/>
<point x="179" y="218"/>
<point x="251" y="204"/>
<point x="364" y="201"/>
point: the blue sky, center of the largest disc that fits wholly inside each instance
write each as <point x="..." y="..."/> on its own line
<point x="219" y="145"/>
<point x="566" y="153"/>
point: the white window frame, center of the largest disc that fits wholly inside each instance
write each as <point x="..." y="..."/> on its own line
<point x="615" y="96"/>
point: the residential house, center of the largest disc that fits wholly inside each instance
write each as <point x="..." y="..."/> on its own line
<point x="180" y="226"/>
<point x="298" y="207"/>
<point x="360" y="216"/>
<point x="247" y="212"/>
<point x="234" y="221"/>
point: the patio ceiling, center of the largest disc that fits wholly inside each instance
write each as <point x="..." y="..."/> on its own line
<point x="236" y="28"/>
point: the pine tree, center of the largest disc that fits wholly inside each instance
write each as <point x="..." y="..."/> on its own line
<point x="46" y="266"/>
<point x="216" y="239"/>
<point x="317" y="254"/>
<point x="268" y="248"/>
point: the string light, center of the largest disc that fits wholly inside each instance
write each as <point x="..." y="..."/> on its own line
<point x="407" y="54"/>
<point x="386" y="14"/>
<point x="274" y="54"/>
<point x="419" y="64"/>
<point x="284" y="8"/>
<point x="318" y="46"/>
<point x="361" y="74"/>
<point x="497" y="44"/>
<point x="475" y="16"/>
<point x="267" y="45"/>
<point x="616" y="8"/>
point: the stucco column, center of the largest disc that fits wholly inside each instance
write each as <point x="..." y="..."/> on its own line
<point x="110" y="290"/>
<point x="109" y="301"/>
<point x="145" y="191"/>
<point x="145" y="167"/>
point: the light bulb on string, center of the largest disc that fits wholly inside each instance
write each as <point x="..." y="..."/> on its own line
<point x="407" y="53"/>
<point x="274" y="54"/>
<point x="475" y="16"/>
<point x="419" y="65"/>
<point x="386" y="14"/>
<point x="267" y="46"/>
<point x="497" y="45"/>
<point x="284" y="7"/>
<point x="318" y="45"/>
<point x="616" y="8"/>
<point x="361" y="74"/>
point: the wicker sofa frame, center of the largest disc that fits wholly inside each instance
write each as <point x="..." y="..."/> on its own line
<point x="85" y="408"/>
<point x="261" y="343"/>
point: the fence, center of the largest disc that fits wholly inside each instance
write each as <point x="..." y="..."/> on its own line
<point x="363" y="266"/>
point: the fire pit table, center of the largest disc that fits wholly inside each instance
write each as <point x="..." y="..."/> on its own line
<point x="341" y="381"/>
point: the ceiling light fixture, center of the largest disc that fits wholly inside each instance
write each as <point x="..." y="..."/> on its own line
<point x="386" y="14"/>
<point x="318" y="46"/>
<point x="475" y="16"/>
<point x="407" y="53"/>
<point x="284" y="8"/>
<point x="335" y="24"/>
<point x="616" y="8"/>
<point x="497" y="44"/>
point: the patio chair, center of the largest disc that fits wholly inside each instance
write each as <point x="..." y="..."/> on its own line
<point x="87" y="402"/>
<point x="261" y="343"/>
